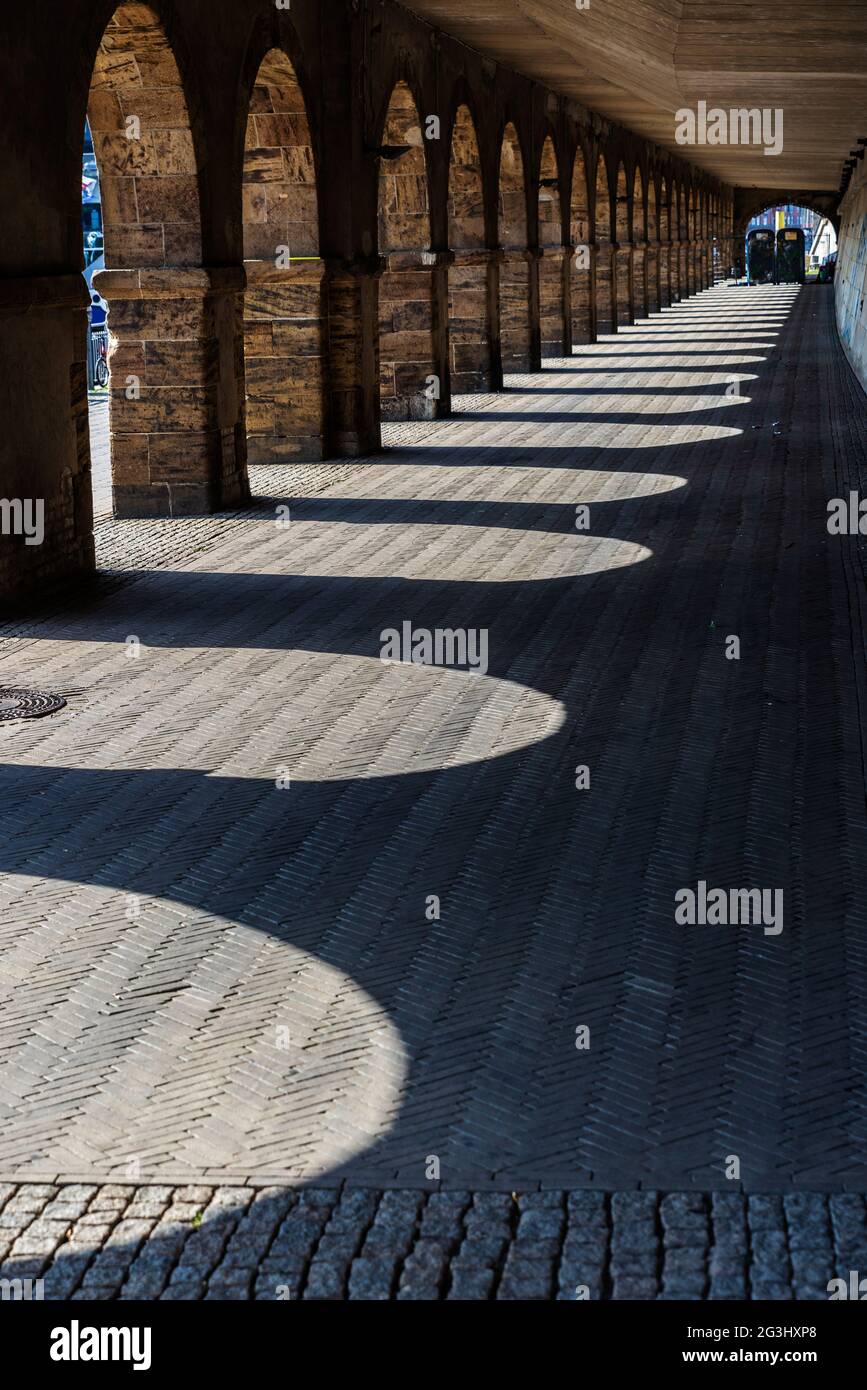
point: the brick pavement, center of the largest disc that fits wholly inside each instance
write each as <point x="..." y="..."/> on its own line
<point x="210" y="981"/>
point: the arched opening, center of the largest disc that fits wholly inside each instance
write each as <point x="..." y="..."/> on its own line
<point x="639" y="248"/>
<point x="408" y="380"/>
<point x="469" y="335"/>
<point x="581" y="293"/>
<point x="515" y="315"/>
<point x="820" y="237"/>
<point x="551" y="265"/>
<point x="283" y="307"/>
<point x="692" y="264"/>
<point x="652" y="255"/>
<point x="604" y="252"/>
<point x="176" y="418"/>
<point x="623" y="261"/>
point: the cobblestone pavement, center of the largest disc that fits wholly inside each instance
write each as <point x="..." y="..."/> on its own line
<point x="210" y="979"/>
<point x="194" y="1242"/>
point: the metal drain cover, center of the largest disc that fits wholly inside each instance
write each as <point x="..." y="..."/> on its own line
<point x="27" y="704"/>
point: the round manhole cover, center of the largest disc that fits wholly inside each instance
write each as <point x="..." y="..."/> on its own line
<point x="27" y="704"/>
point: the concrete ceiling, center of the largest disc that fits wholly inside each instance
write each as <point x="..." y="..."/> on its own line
<point x="640" y="61"/>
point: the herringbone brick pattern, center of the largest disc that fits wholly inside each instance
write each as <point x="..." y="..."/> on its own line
<point x="208" y="978"/>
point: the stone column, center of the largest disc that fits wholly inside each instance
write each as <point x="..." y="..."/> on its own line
<point x="352" y="376"/>
<point x="605" y="287"/>
<point x="553" y="268"/>
<point x="639" y="279"/>
<point x="517" y="329"/>
<point x="471" y="365"/>
<point x="176" y="413"/>
<point x="664" y="263"/>
<point x="413" y="363"/>
<point x="689" y="268"/>
<point x="582" y="309"/>
<point x="651" y="275"/>
<point x="285" y="338"/>
<point x="45" y="446"/>
<point x="494" y="266"/>
<point x="622" y="284"/>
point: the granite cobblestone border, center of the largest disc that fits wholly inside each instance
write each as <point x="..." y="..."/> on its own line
<point x="183" y="1243"/>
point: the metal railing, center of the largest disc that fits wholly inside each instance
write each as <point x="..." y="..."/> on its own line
<point x="97" y="357"/>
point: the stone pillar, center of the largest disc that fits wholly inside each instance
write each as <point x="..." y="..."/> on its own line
<point x="494" y="264"/>
<point x="664" y="262"/>
<point x="639" y="278"/>
<point x="517" y="329"/>
<point x="176" y="411"/>
<point x="622" y="290"/>
<point x="651" y="275"/>
<point x="413" y="364"/>
<point x="471" y="365"/>
<point x="44" y="445"/>
<point x="285" y="338"/>
<point x="605" y="288"/>
<point x="553" y="270"/>
<point x="579" y="278"/>
<point x="352" y="416"/>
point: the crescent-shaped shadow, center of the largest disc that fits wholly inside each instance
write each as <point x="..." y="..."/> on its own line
<point x="387" y="959"/>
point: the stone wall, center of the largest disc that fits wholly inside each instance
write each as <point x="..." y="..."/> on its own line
<point x="420" y="256"/>
<point x="851" y="275"/>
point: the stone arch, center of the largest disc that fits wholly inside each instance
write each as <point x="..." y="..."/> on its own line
<point x="410" y="388"/>
<point x="469" y="330"/>
<point x="552" y="262"/>
<point x="176" y="414"/>
<point x="284" y="316"/>
<point x="604" y="279"/>
<point x="516" y="337"/>
<point x="623" y="297"/>
<point x="581" y="291"/>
